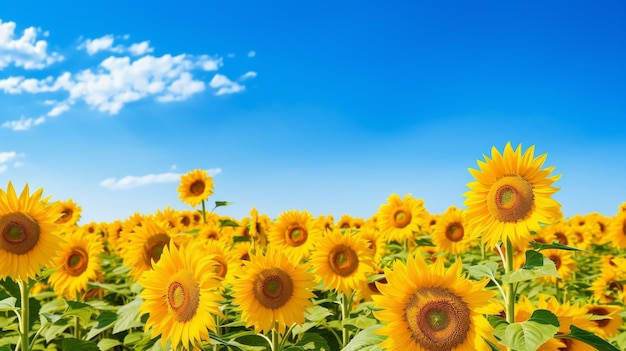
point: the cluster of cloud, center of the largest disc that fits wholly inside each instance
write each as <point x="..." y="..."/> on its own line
<point x="9" y="156"/>
<point x="129" y="182"/>
<point x="25" y="51"/>
<point x="129" y="73"/>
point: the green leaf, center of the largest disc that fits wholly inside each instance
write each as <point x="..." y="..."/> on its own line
<point x="486" y="270"/>
<point x="71" y="344"/>
<point x="588" y="338"/>
<point x="311" y="341"/>
<point x="55" y="329"/>
<point x="499" y="324"/>
<point x="253" y="342"/>
<point x="529" y="335"/>
<point x="80" y="310"/>
<point x="222" y="203"/>
<point x="360" y="322"/>
<point x="365" y="340"/>
<point x="533" y="259"/>
<point x="129" y="316"/>
<point x="555" y="245"/>
<point x="105" y="321"/>
<point x="106" y="344"/>
<point x="5" y="348"/>
<point x="8" y="304"/>
<point x="228" y="223"/>
<point x="532" y="271"/>
<point x="317" y="313"/>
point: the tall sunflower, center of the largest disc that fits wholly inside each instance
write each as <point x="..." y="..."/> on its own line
<point x="294" y="232"/>
<point x="431" y="307"/>
<point x="29" y="240"/>
<point x="564" y="262"/>
<point x="617" y="230"/>
<point x="272" y="290"/>
<point x="195" y="187"/>
<point x="511" y="196"/>
<point x="559" y="232"/>
<point x="399" y="219"/>
<point x="181" y="295"/>
<point x="70" y="212"/>
<point x="145" y="245"/>
<point x="78" y="263"/>
<point x="450" y="233"/>
<point x="606" y="319"/>
<point x="341" y="261"/>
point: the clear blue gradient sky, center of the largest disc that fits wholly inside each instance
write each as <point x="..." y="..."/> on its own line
<point x="322" y="106"/>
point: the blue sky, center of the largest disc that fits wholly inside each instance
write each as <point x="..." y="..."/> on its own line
<point x="322" y="106"/>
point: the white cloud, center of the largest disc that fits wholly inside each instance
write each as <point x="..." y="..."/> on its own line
<point x="25" y="51"/>
<point x="182" y="88"/>
<point x="58" y="109"/>
<point x="248" y="75"/>
<point x="118" y="80"/>
<point x="251" y="53"/>
<point x="139" y="49"/>
<point x="129" y="182"/>
<point x="3" y="168"/>
<point x="225" y="85"/>
<point x="105" y="43"/>
<point x="24" y="123"/>
<point x="6" y="156"/>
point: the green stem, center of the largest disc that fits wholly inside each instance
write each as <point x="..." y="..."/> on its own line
<point x="218" y="322"/>
<point x="203" y="212"/>
<point x="275" y="338"/>
<point x="24" y="325"/>
<point x="345" y="313"/>
<point x="76" y="328"/>
<point x="510" y="288"/>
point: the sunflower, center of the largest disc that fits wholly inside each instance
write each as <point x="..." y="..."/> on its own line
<point x="608" y="287"/>
<point x="145" y="245"/>
<point x="78" y="263"/>
<point x="70" y="212"/>
<point x="564" y="262"/>
<point x="376" y="242"/>
<point x="600" y="223"/>
<point x="431" y="307"/>
<point x="511" y="196"/>
<point x="294" y="232"/>
<point x="324" y="223"/>
<point x="195" y="187"/>
<point x="181" y="296"/>
<point x="617" y="230"/>
<point x="225" y="261"/>
<point x="29" y="240"/>
<point x="559" y="232"/>
<point x="450" y="233"/>
<point x="341" y="261"/>
<point x="272" y="291"/>
<point x="567" y="313"/>
<point x="606" y="318"/>
<point x="400" y="218"/>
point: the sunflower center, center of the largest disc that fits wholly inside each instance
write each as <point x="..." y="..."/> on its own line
<point x="561" y="238"/>
<point x="183" y="297"/>
<point x="556" y="259"/>
<point x="438" y="319"/>
<point x="66" y="215"/>
<point x="454" y="232"/>
<point x="343" y="260"/>
<point x="510" y="199"/>
<point x="221" y="268"/>
<point x="401" y="218"/>
<point x="197" y="188"/>
<point x="600" y="311"/>
<point x="296" y="235"/>
<point x="273" y="288"/>
<point x="153" y="248"/>
<point x="76" y="262"/>
<point x="20" y="233"/>
<point x="624" y="228"/>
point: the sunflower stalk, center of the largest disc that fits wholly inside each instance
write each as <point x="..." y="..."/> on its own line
<point x="510" y="287"/>
<point x="203" y="212"/>
<point x="346" y="303"/>
<point x="24" y="322"/>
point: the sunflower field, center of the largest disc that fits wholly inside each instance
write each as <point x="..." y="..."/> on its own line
<point x="506" y="272"/>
